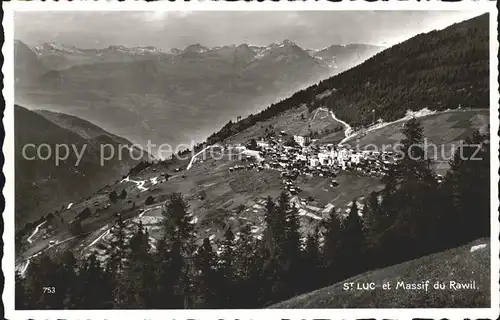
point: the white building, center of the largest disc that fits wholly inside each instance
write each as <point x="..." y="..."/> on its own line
<point x="313" y="162"/>
<point x="334" y="154"/>
<point x="301" y="140"/>
<point x="343" y="163"/>
<point x="262" y="144"/>
<point x="301" y="157"/>
<point x="344" y="154"/>
<point x="325" y="159"/>
<point x="366" y="153"/>
<point x="355" y="158"/>
<point x="239" y="147"/>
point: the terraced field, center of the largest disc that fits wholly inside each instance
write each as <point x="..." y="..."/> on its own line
<point x="442" y="131"/>
<point x="296" y="121"/>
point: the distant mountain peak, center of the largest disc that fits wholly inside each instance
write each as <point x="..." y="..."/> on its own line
<point x="116" y="47"/>
<point x="196" y="48"/>
<point x="280" y="50"/>
<point x="19" y="45"/>
<point x="136" y="50"/>
<point x="175" y="51"/>
<point x="52" y="47"/>
<point x="284" y="43"/>
<point x="287" y="42"/>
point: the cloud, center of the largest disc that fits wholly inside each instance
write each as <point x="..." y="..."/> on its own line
<point x="162" y="14"/>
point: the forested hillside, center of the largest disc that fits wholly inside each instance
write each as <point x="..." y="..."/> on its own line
<point x="45" y="185"/>
<point x="439" y="70"/>
<point x="80" y="126"/>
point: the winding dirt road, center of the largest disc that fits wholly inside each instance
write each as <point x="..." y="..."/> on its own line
<point x="197" y="154"/>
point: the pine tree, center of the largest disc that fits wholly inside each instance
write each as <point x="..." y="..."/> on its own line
<point x="312" y="248"/>
<point x="169" y="265"/>
<point x="113" y="196"/>
<point x="374" y="220"/>
<point x="418" y="190"/>
<point x="139" y="244"/>
<point x="375" y="223"/>
<point x="41" y="273"/>
<point x="292" y="250"/>
<point x="66" y="273"/>
<point x="248" y="269"/>
<point x="118" y="247"/>
<point x="292" y="233"/>
<point x="149" y="200"/>
<point x="206" y="280"/>
<point x="414" y="165"/>
<point x="123" y="194"/>
<point x="22" y="297"/>
<point x="20" y="244"/>
<point x="116" y="262"/>
<point x="312" y="263"/>
<point x="140" y="271"/>
<point x="91" y="276"/>
<point x="258" y="283"/>
<point x="244" y="251"/>
<point x="272" y="279"/>
<point x="283" y="242"/>
<point x="177" y="224"/>
<point x="408" y="201"/>
<point x="351" y="243"/>
<point x="227" y="270"/>
<point x="75" y="227"/>
<point x="175" y="253"/>
<point x="275" y="264"/>
<point x="282" y="213"/>
<point x="331" y="249"/>
<point x="269" y="215"/>
<point x="468" y="184"/>
<point x="252" y="145"/>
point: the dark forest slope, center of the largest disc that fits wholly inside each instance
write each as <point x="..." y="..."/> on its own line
<point x="459" y="265"/>
<point x="80" y="126"/>
<point x="44" y="185"/>
<point x="439" y="70"/>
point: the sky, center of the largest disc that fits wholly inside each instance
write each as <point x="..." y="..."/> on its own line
<point x="167" y="30"/>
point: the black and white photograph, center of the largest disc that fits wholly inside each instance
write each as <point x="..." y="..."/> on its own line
<point x="321" y="159"/>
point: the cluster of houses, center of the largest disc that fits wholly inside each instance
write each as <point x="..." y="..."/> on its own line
<point x="322" y="160"/>
<point x="303" y="158"/>
<point x="252" y="164"/>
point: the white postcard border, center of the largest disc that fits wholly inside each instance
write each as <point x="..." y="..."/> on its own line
<point x="8" y="169"/>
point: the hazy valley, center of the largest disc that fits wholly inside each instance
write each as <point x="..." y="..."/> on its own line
<point x="187" y="93"/>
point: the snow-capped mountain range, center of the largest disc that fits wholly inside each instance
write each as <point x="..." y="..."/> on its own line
<point x="139" y="88"/>
<point x="53" y="48"/>
<point x="56" y="55"/>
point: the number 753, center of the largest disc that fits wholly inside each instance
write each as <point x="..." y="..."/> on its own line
<point x="49" y="289"/>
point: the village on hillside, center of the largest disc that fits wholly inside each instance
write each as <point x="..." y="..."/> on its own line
<point x="297" y="156"/>
<point x="293" y="156"/>
<point x="300" y="155"/>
